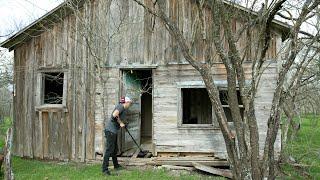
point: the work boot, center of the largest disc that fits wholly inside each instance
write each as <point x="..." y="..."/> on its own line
<point x="106" y="172"/>
<point x="118" y="167"/>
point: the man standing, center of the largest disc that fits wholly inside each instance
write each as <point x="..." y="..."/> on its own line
<point x="111" y="130"/>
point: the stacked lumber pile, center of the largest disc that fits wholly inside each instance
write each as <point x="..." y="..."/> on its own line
<point x="207" y="164"/>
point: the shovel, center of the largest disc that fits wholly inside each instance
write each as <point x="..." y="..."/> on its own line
<point x="142" y="153"/>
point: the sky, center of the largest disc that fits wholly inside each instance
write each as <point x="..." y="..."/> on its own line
<point x="15" y="14"/>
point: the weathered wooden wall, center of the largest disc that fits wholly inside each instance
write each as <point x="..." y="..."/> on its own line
<point x="141" y="39"/>
<point x="63" y="133"/>
<point x="90" y="46"/>
<point x="199" y="139"/>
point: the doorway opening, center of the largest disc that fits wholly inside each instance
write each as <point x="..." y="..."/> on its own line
<point x="146" y="110"/>
<point x="137" y="84"/>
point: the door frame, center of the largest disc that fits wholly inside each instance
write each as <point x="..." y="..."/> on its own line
<point x="121" y="70"/>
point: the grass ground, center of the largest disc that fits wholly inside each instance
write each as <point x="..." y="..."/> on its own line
<point x="31" y="169"/>
<point x="305" y="149"/>
<point x="3" y="130"/>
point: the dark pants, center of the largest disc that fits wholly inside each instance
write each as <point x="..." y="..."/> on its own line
<point x="111" y="150"/>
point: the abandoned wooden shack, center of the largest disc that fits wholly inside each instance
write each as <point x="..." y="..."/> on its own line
<point x="72" y="65"/>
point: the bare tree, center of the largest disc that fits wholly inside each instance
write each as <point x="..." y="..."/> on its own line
<point x="243" y="146"/>
<point x="301" y="90"/>
<point x="6" y="79"/>
<point x="243" y="153"/>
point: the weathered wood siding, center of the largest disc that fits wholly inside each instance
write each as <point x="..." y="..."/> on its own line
<point x="112" y="34"/>
<point x="169" y="137"/>
<point x="55" y="134"/>
<point x="138" y="38"/>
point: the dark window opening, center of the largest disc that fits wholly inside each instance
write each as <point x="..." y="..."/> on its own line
<point x="223" y="94"/>
<point x="196" y="108"/>
<point x="53" y="88"/>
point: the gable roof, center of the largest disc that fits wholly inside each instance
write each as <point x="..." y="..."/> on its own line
<point x="64" y="9"/>
<point x="38" y="26"/>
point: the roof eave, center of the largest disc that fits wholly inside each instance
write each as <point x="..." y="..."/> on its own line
<point x="56" y="14"/>
<point x="41" y="24"/>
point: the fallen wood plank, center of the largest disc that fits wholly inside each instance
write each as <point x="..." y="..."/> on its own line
<point x="170" y="167"/>
<point x="129" y="153"/>
<point x="123" y="160"/>
<point x="215" y="171"/>
<point x="135" y="154"/>
<point x="297" y="165"/>
<point x="183" y="161"/>
<point x="135" y="164"/>
<point x="189" y="163"/>
<point x="188" y="158"/>
<point x="127" y="159"/>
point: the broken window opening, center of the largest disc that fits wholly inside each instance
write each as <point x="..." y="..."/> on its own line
<point x="196" y="106"/>
<point x="53" y="88"/>
<point x="223" y="94"/>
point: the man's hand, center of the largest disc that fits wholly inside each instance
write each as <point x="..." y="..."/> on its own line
<point x="122" y="124"/>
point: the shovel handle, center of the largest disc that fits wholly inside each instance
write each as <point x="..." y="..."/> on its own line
<point x="132" y="138"/>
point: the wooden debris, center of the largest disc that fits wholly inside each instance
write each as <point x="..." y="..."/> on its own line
<point x="148" y="155"/>
<point x="128" y="153"/>
<point x="171" y="162"/>
<point x="98" y="154"/>
<point x="215" y="171"/>
<point x="136" y="153"/>
<point x="187" y="158"/>
<point x="130" y="163"/>
<point x="184" y="154"/>
<point x="297" y="165"/>
<point x="170" y="167"/>
<point x="187" y="161"/>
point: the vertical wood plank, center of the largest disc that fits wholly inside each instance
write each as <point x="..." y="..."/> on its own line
<point x="51" y="134"/>
<point x="45" y="130"/>
<point x="56" y="134"/>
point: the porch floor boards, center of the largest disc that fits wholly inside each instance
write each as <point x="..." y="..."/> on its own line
<point x="176" y="161"/>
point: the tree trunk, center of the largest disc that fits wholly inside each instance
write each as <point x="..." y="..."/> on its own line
<point x="8" y="174"/>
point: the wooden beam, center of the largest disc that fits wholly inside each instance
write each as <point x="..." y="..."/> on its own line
<point x="187" y="161"/>
<point x="51" y="108"/>
<point x="169" y="162"/>
<point x="135" y="154"/>
<point x="171" y="167"/>
<point x="215" y="171"/>
<point x="188" y="158"/>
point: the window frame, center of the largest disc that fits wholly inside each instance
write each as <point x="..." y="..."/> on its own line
<point x="39" y="104"/>
<point x="191" y="85"/>
<point x="225" y="88"/>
